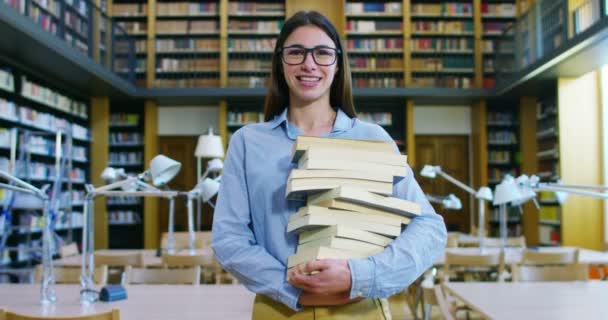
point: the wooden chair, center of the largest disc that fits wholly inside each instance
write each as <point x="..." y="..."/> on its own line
<point x="569" y="272"/>
<point x="163" y="276"/>
<point x="135" y="259"/>
<point x="69" y="250"/>
<point x="452" y="240"/>
<point x="202" y="239"/>
<point x="197" y="260"/>
<point x="114" y="314"/>
<point x="471" y="264"/>
<point x="72" y="274"/>
<point x="533" y="257"/>
<point x="434" y="296"/>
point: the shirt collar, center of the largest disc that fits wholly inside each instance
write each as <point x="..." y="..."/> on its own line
<point x="342" y="123"/>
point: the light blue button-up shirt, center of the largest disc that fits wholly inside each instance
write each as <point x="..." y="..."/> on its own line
<point x="251" y="214"/>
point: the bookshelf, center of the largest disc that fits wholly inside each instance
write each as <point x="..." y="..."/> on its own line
<point x="187" y="44"/>
<point x="448" y="28"/>
<point x="504" y="158"/>
<point x="548" y="170"/>
<point x="126" y="148"/>
<point x="374" y="42"/>
<point x="131" y="16"/>
<point x="497" y="16"/>
<point x="388" y="115"/>
<point x="252" y="30"/>
<point x="242" y="113"/>
<point x="554" y="24"/>
<point x="38" y="112"/>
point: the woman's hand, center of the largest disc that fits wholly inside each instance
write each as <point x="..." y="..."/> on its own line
<point x="325" y="277"/>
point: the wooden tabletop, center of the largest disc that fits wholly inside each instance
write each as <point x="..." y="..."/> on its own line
<point x="534" y="300"/>
<point x="150" y="257"/>
<point x="148" y="302"/>
<point x="514" y="255"/>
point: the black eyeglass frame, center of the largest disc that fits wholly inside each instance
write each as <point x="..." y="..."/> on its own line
<point x="309" y="50"/>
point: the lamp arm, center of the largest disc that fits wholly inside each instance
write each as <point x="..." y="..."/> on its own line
<point x="457" y="183"/>
<point x="15" y="188"/>
<point x="433" y="199"/>
<point x="23" y="184"/>
<point x="576" y="186"/>
<point x="542" y="187"/>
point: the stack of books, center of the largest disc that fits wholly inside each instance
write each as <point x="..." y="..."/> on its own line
<point x="347" y="185"/>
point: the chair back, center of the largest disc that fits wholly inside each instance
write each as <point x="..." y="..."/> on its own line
<point x="473" y="262"/>
<point x="135" y="259"/>
<point x="570" y="272"/>
<point x="518" y="242"/>
<point x="113" y="314"/>
<point x="533" y="257"/>
<point x="181" y="240"/>
<point x="452" y="240"/>
<point x="69" y="250"/>
<point x="71" y="275"/>
<point x="181" y="260"/>
<point x="163" y="276"/>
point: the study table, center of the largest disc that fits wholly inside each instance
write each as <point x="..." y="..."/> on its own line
<point x="514" y="255"/>
<point x="534" y="300"/>
<point x="150" y="302"/>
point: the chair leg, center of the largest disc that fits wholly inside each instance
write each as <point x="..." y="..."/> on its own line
<point x="427" y="311"/>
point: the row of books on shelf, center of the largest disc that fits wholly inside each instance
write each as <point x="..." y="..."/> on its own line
<point x="513" y="214"/>
<point x="76" y="43"/>
<point x="43" y="20"/>
<point x="373" y="25"/>
<point x="494" y="27"/>
<point x="75" y="197"/>
<point x="442" y="44"/>
<point x="495" y="175"/>
<point x="42" y="146"/>
<point x="196" y="82"/>
<point x="123" y="217"/>
<point x="241" y="118"/>
<point x="449" y="64"/>
<point x="372" y="7"/>
<point x="205" y="64"/>
<point x="76" y="23"/>
<point x="18" y="5"/>
<point x="251" y="45"/>
<point x="443" y="27"/>
<point x="52" y="6"/>
<point x="124" y="65"/>
<point x="42" y="171"/>
<point x="502" y="137"/>
<point x="51" y="98"/>
<point x="124" y="200"/>
<point x="130" y="9"/>
<point x="124" y="119"/>
<point x="461" y="82"/>
<point x="7" y="81"/>
<point x="373" y="63"/>
<point x="442" y="9"/>
<point x="243" y="81"/>
<point x="256" y="7"/>
<point x="507" y="10"/>
<point x="125" y="138"/>
<point x="379" y="118"/>
<point x="187" y="44"/>
<point x="186" y="8"/>
<point x="30" y="222"/>
<point x="372" y="81"/>
<point x="374" y="44"/>
<point x="501" y="118"/>
<point x="499" y="156"/>
<point x="125" y="158"/>
<point x="40" y="120"/>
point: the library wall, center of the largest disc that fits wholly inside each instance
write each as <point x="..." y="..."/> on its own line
<point x="442" y="120"/>
<point x="580" y="159"/>
<point x="187" y="121"/>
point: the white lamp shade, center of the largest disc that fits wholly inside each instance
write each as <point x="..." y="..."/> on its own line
<point x="484" y="193"/>
<point x="215" y="165"/>
<point x="527" y="193"/>
<point x="429" y="171"/>
<point x="209" y="188"/>
<point x="452" y="202"/>
<point x="209" y="146"/>
<point x="561" y="197"/>
<point x="506" y="191"/>
<point x="111" y="174"/>
<point x="163" y="169"/>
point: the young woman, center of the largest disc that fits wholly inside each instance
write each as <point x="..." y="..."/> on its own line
<point x="309" y="94"/>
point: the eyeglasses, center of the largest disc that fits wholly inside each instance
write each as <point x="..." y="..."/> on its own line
<point x="321" y="55"/>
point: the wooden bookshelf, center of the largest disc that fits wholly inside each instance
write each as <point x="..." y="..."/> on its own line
<point x="131" y="16"/>
<point x="126" y="148"/>
<point x="496" y="16"/>
<point x="504" y="157"/>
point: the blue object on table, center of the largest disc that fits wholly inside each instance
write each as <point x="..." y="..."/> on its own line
<point x="113" y="292"/>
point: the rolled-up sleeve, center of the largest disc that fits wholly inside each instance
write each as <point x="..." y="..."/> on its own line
<point x="408" y="256"/>
<point x="233" y="240"/>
